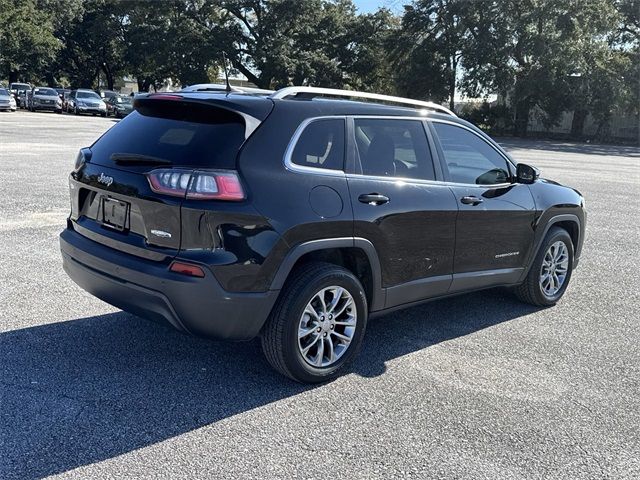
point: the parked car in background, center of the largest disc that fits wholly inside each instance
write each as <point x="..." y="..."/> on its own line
<point x="7" y="102"/>
<point x="16" y="87"/>
<point x="65" y="100"/>
<point x="21" y="98"/>
<point x="119" y="106"/>
<point x="107" y="94"/>
<point x="62" y="92"/>
<point x="43" y="98"/>
<point x="86" y="101"/>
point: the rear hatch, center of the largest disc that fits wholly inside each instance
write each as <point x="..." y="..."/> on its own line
<point x="128" y="187"/>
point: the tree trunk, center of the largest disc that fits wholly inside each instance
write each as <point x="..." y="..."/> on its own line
<point x="521" y="118"/>
<point x="143" y="84"/>
<point x="452" y="83"/>
<point x="109" y="76"/>
<point x="51" y="80"/>
<point x="577" y="123"/>
<point x="259" y="82"/>
<point x="13" y="76"/>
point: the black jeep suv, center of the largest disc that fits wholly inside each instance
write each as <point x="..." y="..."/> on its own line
<point x="296" y="215"/>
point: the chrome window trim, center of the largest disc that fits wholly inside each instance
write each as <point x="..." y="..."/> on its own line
<point x="289" y="165"/>
<point x="501" y="153"/>
<point x="294" y="167"/>
<point x="417" y="181"/>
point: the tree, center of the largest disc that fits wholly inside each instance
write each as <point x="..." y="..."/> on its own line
<point x="282" y="42"/>
<point x="434" y="39"/>
<point x="535" y="49"/>
<point x="365" y="52"/>
<point x="27" y="42"/>
<point x="94" y="44"/>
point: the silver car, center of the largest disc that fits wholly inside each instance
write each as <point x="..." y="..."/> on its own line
<point x="44" y="98"/>
<point x="7" y="102"/>
<point x="86" y="101"/>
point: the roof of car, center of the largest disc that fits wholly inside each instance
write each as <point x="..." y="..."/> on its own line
<point x="260" y="105"/>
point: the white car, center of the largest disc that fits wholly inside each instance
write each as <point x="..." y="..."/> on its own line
<point x="7" y="102"/>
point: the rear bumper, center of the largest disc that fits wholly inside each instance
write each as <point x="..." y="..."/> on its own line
<point x="148" y="289"/>
<point x="47" y="107"/>
<point x="91" y="110"/>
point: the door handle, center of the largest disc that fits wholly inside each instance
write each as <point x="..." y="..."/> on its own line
<point x="471" y="200"/>
<point x="373" y="198"/>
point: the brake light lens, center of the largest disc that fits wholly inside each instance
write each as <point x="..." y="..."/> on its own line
<point x="187" y="269"/>
<point x="83" y="157"/>
<point x="164" y="96"/>
<point x="197" y="185"/>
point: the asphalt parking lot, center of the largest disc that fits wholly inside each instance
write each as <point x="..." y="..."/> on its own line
<point x="479" y="386"/>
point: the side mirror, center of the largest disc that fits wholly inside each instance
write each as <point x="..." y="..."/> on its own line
<point x="526" y="173"/>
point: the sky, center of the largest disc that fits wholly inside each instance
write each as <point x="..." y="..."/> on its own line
<point x="368" y="6"/>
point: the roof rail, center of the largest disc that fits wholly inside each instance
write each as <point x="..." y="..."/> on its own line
<point x="218" y="87"/>
<point x="317" y="91"/>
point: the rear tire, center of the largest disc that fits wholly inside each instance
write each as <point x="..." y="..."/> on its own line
<point x="550" y="272"/>
<point x="311" y="297"/>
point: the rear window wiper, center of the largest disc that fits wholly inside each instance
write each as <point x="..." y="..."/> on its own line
<point x="137" y="159"/>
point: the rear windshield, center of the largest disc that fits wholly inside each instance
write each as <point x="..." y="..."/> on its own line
<point x="194" y="140"/>
<point x="45" y="91"/>
<point x="88" y="95"/>
<point x="3" y="92"/>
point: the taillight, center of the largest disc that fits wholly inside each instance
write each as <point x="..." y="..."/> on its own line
<point x="198" y="185"/>
<point x="83" y="157"/>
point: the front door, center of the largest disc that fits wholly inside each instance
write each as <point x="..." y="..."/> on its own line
<point x="494" y="229"/>
<point x="399" y="206"/>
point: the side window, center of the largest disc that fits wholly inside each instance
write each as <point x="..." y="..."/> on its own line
<point x="321" y="145"/>
<point x="468" y="158"/>
<point x="393" y="148"/>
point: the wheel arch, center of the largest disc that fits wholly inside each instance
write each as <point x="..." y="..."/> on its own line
<point x="569" y="222"/>
<point x="357" y="255"/>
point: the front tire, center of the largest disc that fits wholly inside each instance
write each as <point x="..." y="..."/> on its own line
<point x="317" y="325"/>
<point x="550" y="272"/>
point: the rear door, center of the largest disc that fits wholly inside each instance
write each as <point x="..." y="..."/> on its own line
<point x="400" y="207"/>
<point x="494" y="229"/>
<point x="113" y="201"/>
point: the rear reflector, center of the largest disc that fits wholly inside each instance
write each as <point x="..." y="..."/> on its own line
<point x="187" y="269"/>
<point x="198" y="185"/>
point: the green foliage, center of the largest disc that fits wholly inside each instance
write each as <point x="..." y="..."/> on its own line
<point x="496" y="119"/>
<point x="27" y="41"/>
<point x="432" y="43"/>
<point x="544" y="56"/>
<point x="285" y="42"/>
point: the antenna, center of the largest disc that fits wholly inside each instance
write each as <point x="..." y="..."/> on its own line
<point x="226" y="73"/>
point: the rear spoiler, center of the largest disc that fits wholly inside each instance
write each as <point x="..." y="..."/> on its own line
<point x="173" y="105"/>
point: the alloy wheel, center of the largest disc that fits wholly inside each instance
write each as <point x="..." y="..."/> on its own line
<point x="554" y="269"/>
<point x="327" y="326"/>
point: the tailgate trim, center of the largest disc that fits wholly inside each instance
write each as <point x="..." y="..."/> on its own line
<point x="121" y="246"/>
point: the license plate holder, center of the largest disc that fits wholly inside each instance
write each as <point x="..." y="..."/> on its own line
<point x="114" y="213"/>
